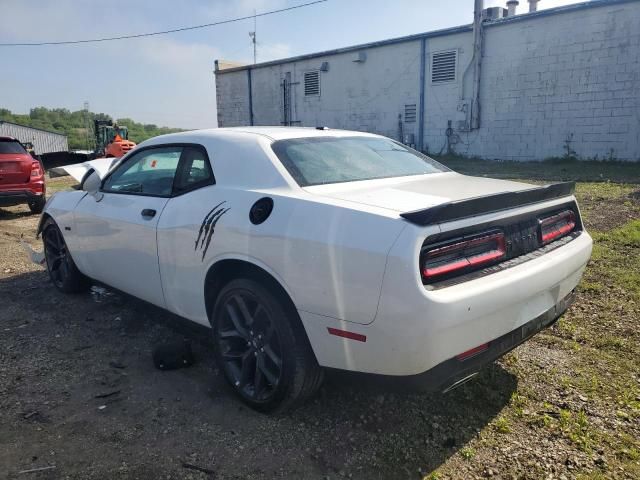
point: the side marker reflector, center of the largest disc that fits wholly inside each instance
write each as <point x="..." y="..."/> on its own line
<point x="473" y="352"/>
<point x="344" y="334"/>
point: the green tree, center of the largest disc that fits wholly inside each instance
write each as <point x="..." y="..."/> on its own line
<point x="73" y="124"/>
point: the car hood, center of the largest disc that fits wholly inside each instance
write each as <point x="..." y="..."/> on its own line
<point x="78" y="170"/>
<point x="405" y="194"/>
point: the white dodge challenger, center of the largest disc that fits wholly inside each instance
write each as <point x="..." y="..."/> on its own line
<point x="309" y="248"/>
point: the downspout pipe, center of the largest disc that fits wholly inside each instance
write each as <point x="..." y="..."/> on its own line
<point x="477" y="63"/>
<point x="423" y="66"/>
<point x="250" y="96"/>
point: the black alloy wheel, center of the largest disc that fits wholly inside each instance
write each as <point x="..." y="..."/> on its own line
<point x="249" y="346"/>
<point x="262" y="348"/>
<point x="62" y="270"/>
<point x="55" y="250"/>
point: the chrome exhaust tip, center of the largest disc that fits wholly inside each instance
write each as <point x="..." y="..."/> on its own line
<point x="460" y="382"/>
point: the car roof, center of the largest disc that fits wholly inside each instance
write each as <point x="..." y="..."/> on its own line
<point x="273" y="133"/>
<point x="246" y="145"/>
<point x="283" y="133"/>
<point x="7" y="139"/>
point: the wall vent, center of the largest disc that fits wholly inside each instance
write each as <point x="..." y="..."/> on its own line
<point x="443" y="66"/>
<point x="311" y="83"/>
<point x="410" y="113"/>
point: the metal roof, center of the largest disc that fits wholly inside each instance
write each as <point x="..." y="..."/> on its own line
<point x="434" y="33"/>
<point x="33" y="128"/>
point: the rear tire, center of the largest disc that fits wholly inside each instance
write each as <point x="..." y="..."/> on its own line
<point x="261" y="347"/>
<point x="62" y="270"/>
<point x="37" y="205"/>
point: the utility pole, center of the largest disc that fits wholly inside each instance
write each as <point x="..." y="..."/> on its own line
<point x="87" y="128"/>
<point x="253" y="37"/>
<point x="477" y="62"/>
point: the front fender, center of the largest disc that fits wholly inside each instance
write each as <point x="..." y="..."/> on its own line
<point x="60" y="207"/>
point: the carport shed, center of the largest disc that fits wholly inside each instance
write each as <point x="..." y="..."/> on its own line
<point x="44" y="141"/>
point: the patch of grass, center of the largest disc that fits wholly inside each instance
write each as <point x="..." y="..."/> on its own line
<point x="616" y="255"/>
<point x="550" y="170"/>
<point x="574" y="426"/>
<point x="590" y="287"/>
<point x="610" y="342"/>
<point x="58" y="184"/>
<point x="604" y="190"/>
<point x="467" y="453"/>
<point x="502" y="425"/>
<point x="627" y="236"/>
<point x="518" y="402"/>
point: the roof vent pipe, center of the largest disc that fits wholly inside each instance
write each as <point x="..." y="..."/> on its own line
<point x="533" y="6"/>
<point x="512" y="5"/>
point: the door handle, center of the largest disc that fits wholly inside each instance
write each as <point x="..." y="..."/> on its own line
<point x="148" y="212"/>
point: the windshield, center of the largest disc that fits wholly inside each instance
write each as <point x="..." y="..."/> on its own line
<point x="321" y="160"/>
<point x="11" y="146"/>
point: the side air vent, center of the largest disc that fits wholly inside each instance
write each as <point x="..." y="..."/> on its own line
<point x="410" y="113"/>
<point x="443" y="66"/>
<point x="311" y="83"/>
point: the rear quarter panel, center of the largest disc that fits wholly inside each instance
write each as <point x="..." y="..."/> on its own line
<point x="330" y="259"/>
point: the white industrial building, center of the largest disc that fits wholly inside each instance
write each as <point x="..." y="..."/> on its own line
<point x="43" y="141"/>
<point x="546" y="84"/>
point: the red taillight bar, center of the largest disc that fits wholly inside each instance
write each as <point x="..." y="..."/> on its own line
<point x="465" y="261"/>
<point x="556" y="226"/>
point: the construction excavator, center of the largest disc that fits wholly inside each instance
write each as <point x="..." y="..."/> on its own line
<point x="112" y="140"/>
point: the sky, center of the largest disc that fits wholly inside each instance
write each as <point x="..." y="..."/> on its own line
<point x="168" y="80"/>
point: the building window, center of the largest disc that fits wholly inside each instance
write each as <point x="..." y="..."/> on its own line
<point x="443" y="66"/>
<point x="311" y="83"/>
<point x="410" y="113"/>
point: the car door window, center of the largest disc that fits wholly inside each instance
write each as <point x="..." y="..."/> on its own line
<point x="149" y="172"/>
<point x="195" y="170"/>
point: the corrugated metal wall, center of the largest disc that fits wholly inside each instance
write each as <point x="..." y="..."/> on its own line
<point x="43" y="141"/>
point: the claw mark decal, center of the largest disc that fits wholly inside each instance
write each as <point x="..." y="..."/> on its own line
<point x="208" y="226"/>
<point x="204" y="222"/>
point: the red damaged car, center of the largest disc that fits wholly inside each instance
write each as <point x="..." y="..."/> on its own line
<point x="21" y="176"/>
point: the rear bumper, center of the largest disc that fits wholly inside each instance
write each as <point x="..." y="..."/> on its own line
<point x="418" y="331"/>
<point x="18" y="197"/>
<point x="455" y="371"/>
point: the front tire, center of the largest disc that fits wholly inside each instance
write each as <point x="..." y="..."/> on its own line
<point x="62" y="270"/>
<point x="262" y="348"/>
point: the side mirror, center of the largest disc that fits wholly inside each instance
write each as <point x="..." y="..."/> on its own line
<point x="91" y="184"/>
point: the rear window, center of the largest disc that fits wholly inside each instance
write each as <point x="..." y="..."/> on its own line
<point x="11" y="146"/>
<point x="321" y="160"/>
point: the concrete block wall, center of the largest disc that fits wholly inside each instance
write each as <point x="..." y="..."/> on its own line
<point x="444" y="101"/>
<point x="550" y="83"/>
<point x="558" y="82"/>
<point x="366" y="96"/>
<point x="232" y="99"/>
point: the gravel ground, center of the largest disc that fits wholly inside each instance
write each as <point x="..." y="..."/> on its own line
<point x="80" y="397"/>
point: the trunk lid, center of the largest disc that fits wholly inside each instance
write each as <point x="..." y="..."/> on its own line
<point x="405" y="194"/>
<point x="15" y="169"/>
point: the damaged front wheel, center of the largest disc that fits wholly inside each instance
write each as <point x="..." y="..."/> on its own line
<point x="62" y="270"/>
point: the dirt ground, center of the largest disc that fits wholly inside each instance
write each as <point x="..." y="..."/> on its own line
<point x="81" y="399"/>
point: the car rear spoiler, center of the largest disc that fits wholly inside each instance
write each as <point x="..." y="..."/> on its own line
<point x="470" y="207"/>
